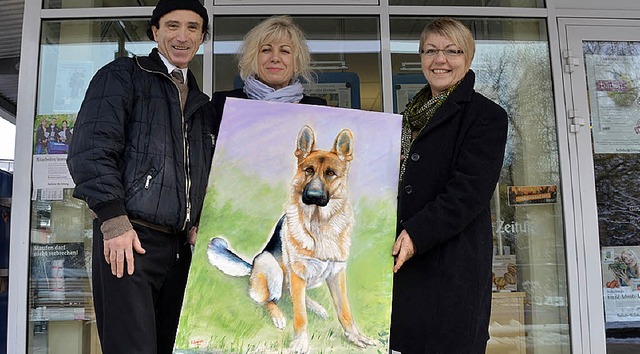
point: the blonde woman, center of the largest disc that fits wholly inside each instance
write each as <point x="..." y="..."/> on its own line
<point x="272" y="60"/>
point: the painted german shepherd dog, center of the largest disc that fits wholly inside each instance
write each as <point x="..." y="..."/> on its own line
<point x="309" y="245"/>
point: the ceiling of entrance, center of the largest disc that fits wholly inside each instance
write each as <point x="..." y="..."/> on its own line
<point x="10" y="40"/>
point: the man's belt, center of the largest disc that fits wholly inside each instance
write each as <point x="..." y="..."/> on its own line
<point x="165" y="229"/>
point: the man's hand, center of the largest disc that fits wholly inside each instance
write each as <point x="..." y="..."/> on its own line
<point x="193" y="234"/>
<point x="119" y="249"/>
<point x="403" y="249"/>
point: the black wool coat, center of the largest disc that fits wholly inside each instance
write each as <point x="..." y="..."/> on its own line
<point x="442" y="295"/>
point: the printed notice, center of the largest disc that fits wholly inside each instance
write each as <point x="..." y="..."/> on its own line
<point x="621" y="278"/>
<point x="336" y="94"/>
<point x="614" y="104"/>
<point x="51" y="172"/>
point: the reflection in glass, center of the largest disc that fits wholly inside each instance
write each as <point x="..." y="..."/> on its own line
<point x="512" y="66"/>
<point x="345" y="54"/>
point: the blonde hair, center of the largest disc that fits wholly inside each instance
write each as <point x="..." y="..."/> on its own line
<point x="456" y="32"/>
<point x="274" y="28"/>
<point x="630" y="253"/>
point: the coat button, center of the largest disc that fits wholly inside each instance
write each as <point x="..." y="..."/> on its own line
<point x="408" y="189"/>
<point x="415" y="156"/>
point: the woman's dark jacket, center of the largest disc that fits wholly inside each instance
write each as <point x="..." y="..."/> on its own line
<point x="220" y="97"/>
<point x="133" y="150"/>
<point x="442" y="296"/>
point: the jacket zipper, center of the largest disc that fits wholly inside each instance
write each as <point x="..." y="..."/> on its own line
<point x="185" y="158"/>
<point x="187" y="172"/>
<point x="148" y="182"/>
<point x="185" y="150"/>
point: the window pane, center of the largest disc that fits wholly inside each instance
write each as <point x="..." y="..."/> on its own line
<point x="69" y="4"/>
<point x="512" y="66"/>
<point x="345" y="56"/>
<point x="86" y="46"/>
<point x="488" y="3"/>
<point x="612" y="73"/>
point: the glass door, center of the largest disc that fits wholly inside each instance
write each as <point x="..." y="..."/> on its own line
<point x="602" y="86"/>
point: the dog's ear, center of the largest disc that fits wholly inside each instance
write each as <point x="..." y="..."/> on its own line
<point x="306" y="142"/>
<point x="343" y="146"/>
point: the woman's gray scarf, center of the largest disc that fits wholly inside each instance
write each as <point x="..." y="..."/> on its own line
<point x="257" y="90"/>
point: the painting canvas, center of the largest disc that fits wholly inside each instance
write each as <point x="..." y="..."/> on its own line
<point x="294" y="242"/>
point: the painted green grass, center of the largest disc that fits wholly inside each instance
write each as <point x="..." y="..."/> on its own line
<point x="218" y="313"/>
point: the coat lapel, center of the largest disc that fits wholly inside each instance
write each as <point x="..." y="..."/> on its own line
<point x="452" y="105"/>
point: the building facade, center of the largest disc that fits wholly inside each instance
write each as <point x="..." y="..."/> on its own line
<point x="566" y="215"/>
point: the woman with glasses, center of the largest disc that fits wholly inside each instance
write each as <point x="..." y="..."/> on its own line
<point x="453" y="142"/>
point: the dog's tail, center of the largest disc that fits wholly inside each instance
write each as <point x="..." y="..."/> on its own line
<point x="228" y="262"/>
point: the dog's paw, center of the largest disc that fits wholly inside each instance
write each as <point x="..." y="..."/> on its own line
<point x="316" y="308"/>
<point x="279" y="321"/>
<point x="277" y="317"/>
<point x="358" y="338"/>
<point x="299" y="344"/>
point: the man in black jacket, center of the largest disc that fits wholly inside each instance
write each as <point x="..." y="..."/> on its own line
<point x="140" y="158"/>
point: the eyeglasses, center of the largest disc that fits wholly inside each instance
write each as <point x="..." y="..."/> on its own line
<point x="432" y="52"/>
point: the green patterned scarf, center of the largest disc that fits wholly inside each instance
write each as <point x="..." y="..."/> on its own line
<point x="416" y="116"/>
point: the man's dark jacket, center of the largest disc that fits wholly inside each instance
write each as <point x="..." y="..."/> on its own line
<point x="134" y="152"/>
<point x="442" y="295"/>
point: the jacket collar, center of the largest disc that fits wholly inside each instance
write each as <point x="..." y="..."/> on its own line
<point x="465" y="90"/>
<point x="453" y="103"/>
<point x="154" y="63"/>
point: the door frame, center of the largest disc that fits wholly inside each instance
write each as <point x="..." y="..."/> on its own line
<point x="588" y="332"/>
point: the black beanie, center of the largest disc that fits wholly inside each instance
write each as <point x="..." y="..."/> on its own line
<point x="166" y="6"/>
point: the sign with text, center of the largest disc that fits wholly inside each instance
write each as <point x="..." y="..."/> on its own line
<point x="621" y="278"/>
<point x="531" y="195"/>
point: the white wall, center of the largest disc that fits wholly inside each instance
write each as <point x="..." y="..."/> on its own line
<point x="7" y="139"/>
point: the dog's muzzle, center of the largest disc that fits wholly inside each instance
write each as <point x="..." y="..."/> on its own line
<point x="314" y="193"/>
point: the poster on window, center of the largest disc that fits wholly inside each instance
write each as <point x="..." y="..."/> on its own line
<point x="336" y="94"/>
<point x="621" y="278"/>
<point x="52" y="134"/>
<point x="72" y="79"/>
<point x="614" y="87"/>
<point x="58" y="274"/>
<point x="294" y="243"/>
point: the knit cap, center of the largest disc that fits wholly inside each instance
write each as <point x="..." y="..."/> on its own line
<point x="166" y="6"/>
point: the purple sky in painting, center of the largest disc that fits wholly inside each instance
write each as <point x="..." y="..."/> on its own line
<point x="260" y="137"/>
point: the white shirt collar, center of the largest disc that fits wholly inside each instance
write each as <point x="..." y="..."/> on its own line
<point x="171" y="67"/>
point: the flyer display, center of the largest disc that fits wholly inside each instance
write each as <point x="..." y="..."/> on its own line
<point x="621" y="277"/>
<point x="613" y="88"/>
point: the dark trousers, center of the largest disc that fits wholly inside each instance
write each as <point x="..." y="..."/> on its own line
<point x="139" y="313"/>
